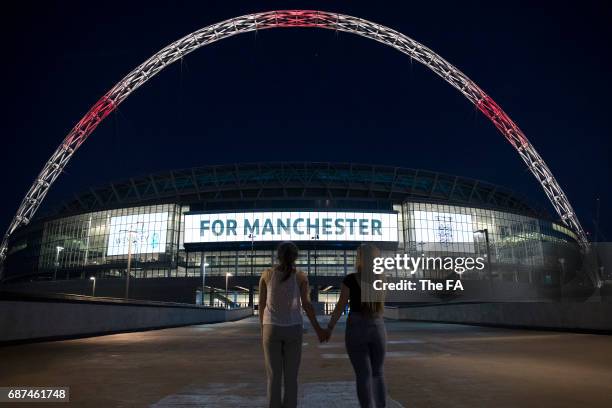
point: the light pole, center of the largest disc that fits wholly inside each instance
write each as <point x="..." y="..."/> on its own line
<point x="93" y="288"/>
<point x="227" y="275"/>
<point x="315" y="288"/>
<point x="252" y="238"/>
<point x="315" y="238"/>
<point x="203" y="266"/>
<point x="58" y="249"/>
<point x="129" y="262"/>
<point x="485" y="231"/>
<point x="561" y="277"/>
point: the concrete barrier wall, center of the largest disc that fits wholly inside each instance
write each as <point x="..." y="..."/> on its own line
<point x="31" y="320"/>
<point x="589" y="316"/>
<point x="182" y="290"/>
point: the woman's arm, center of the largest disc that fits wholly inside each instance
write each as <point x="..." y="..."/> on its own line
<point x="263" y="296"/>
<point x="307" y="304"/>
<point x="342" y="301"/>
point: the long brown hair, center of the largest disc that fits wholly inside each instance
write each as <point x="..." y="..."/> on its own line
<point x="286" y="255"/>
<point x="372" y="301"/>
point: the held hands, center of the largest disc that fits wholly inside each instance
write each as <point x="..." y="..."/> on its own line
<point x="323" y="334"/>
<point x="328" y="333"/>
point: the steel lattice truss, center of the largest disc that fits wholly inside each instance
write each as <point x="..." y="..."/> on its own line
<point x="290" y="18"/>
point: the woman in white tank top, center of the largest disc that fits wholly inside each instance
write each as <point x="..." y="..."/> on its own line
<point x="283" y="293"/>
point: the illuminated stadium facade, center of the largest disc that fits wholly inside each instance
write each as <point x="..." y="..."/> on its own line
<point x="231" y="217"/>
<point x="170" y="226"/>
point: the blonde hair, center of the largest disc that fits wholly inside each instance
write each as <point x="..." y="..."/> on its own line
<point x="364" y="261"/>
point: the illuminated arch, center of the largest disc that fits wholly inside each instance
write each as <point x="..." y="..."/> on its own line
<point x="290" y="18"/>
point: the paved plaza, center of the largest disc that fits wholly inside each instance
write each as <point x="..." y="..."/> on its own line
<point x="221" y="365"/>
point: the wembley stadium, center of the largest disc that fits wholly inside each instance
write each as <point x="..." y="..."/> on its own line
<point x="204" y="235"/>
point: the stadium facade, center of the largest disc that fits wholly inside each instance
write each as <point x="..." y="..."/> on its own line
<point x="222" y="223"/>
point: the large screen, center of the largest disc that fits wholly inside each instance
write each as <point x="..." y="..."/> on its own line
<point x="438" y="231"/>
<point x="291" y="226"/>
<point x="146" y="231"/>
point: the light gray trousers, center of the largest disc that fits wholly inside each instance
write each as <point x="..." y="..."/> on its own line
<point x="282" y="347"/>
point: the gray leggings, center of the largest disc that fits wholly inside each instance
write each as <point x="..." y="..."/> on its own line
<point x="366" y="340"/>
<point x="283" y="351"/>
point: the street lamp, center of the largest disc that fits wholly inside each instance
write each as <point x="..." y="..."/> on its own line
<point x="203" y="266"/>
<point x="561" y="276"/>
<point x="58" y="249"/>
<point x="227" y="275"/>
<point x="315" y="288"/>
<point x="252" y="238"/>
<point x="93" y="288"/>
<point x="485" y="231"/>
<point x="315" y="238"/>
<point x="129" y="262"/>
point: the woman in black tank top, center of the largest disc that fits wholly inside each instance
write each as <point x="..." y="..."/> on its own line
<point x="365" y="336"/>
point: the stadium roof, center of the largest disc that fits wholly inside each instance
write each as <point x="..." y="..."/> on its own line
<point x="297" y="180"/>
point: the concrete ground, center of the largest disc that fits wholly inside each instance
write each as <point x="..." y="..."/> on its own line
<point x="221" y="365"/>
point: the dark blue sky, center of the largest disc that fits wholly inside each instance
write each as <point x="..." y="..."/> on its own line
<point x="306" y="94"/>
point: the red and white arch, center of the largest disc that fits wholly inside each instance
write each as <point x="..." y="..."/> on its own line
<point x="279" y="19"/>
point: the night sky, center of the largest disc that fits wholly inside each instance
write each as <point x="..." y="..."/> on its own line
<point x="311" y="94"/>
